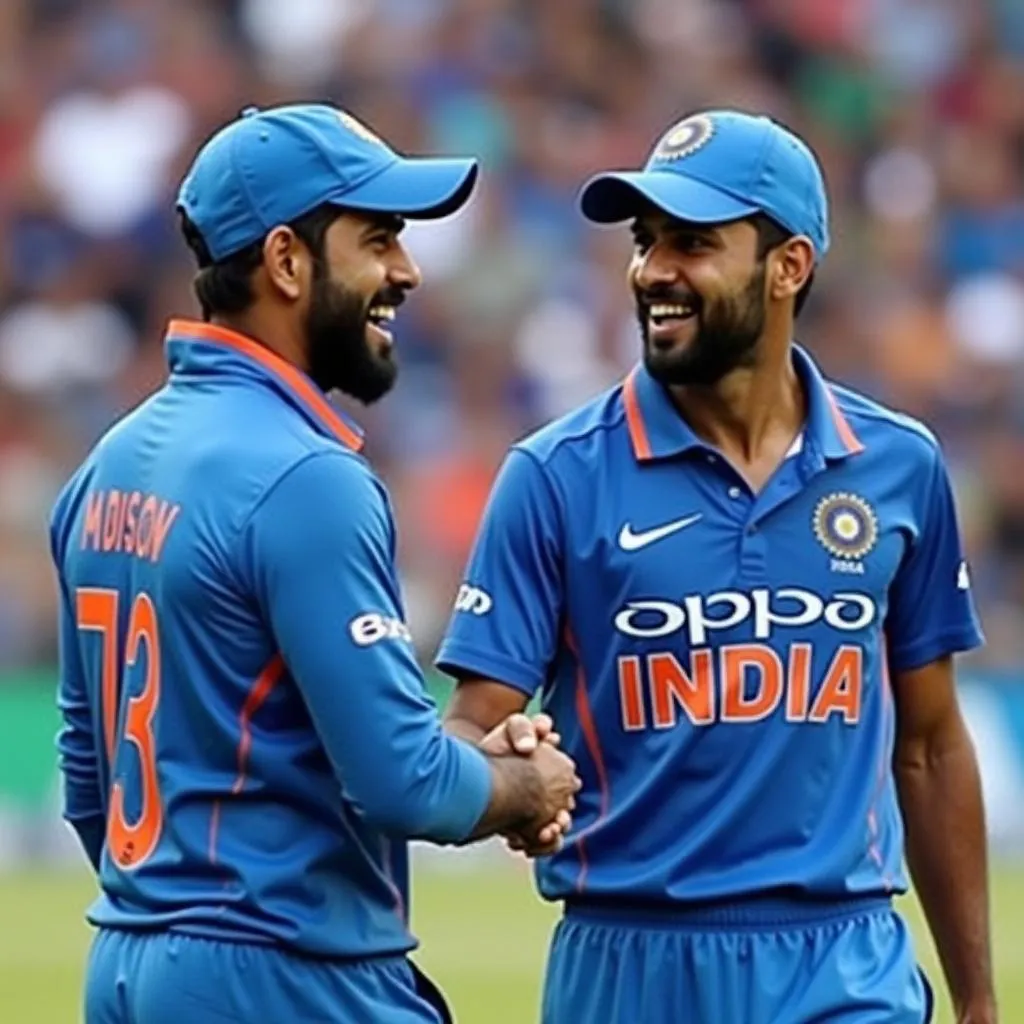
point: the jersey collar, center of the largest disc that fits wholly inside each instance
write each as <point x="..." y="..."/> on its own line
<point x="657" y="431"/>
<point x="194" y="345"/>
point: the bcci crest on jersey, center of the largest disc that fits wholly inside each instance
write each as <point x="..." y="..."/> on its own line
<point x="846" y="527"/>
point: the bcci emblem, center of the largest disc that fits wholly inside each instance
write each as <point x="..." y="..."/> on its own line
<point x="846" y="527"/>
<point x="685" y="138"/>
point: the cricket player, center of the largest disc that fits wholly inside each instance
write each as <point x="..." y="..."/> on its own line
<point x="247" y="742"/>
<point x="738" y="588"/>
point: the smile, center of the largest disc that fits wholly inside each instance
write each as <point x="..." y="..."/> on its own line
<point x="661" y="312"/>
<point x="380" y="314"/>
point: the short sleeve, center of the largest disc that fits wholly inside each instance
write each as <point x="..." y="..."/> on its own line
<point x="507" y="613"/>
<point x="931" y="609"/>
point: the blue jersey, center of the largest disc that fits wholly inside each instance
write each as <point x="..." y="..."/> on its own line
<point x="717" y="659"/>
<point x="247" y="739"/>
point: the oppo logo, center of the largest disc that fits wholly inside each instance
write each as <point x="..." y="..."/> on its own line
<point x="698" y="615"/>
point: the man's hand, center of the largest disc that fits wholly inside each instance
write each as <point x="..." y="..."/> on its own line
<point x="520" y="734"/>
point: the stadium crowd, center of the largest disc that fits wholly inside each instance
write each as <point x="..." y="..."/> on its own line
<point x="915" y="106"/>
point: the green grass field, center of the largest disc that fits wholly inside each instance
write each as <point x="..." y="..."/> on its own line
<point x="484" y="939"/>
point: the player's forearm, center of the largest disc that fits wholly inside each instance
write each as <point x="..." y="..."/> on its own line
<point x="941" y="801"/>
<point x="517" y="794"/>
<point x="409" y="778"/>
<point x="479" y="705"/>
<point x="435" y="808"/>
<point x="437" y="792"/>
<point x="464" y="729"/>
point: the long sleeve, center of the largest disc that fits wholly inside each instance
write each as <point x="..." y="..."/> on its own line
<point x="319" y="554"/>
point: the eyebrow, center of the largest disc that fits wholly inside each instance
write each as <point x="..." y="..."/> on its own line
<point x="689" y="227"/>
<point x="675" y="226"/>
<point x="384" y="222"/>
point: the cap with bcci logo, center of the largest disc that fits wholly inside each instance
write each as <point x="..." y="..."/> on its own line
<point x="718" y="166"/>
<point x="271" y="166"/>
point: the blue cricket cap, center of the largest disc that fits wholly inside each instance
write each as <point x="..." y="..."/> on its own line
<point x="720" y="166"/>
<point x="271" y="166"/>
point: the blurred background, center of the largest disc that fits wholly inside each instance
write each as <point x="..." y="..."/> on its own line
<point x="916" y="108"/>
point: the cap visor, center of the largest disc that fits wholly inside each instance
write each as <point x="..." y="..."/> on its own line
<point x="610" y="198"/>
<point x="415" y="187"/>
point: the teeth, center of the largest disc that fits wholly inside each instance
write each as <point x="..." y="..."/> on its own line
<point x="665" y="309"/>
<point x="381" y="313"/>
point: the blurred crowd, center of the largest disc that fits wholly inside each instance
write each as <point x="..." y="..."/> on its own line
<point x="916" y="108"/>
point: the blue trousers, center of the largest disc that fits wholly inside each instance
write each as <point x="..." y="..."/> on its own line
<point x="168" y="978"/>
<point x="773" y="962"/>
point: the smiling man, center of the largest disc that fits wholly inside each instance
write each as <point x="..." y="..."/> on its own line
<point x="739" y="589"/>
<point x="247" y="740"/>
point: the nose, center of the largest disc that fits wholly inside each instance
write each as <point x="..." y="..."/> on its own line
<point x="653" y="269"/>
<point x="403" y="272"/>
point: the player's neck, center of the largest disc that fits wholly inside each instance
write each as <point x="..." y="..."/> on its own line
<point x="752" y="416"/>
<point x="272" y="333"/>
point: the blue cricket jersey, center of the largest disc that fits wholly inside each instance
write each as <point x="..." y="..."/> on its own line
<point x="247" y="740"/>
<point x="716" y="659"/>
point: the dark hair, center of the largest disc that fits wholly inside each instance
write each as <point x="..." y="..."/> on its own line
<point x="224" y="287"/>
<point x="770" y="235"/>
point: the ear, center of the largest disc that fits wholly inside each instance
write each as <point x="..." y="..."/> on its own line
<point x="286" y="262"/>
<point x="792" y="265"/>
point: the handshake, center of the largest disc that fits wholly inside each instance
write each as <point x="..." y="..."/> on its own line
<point x="540" y="779"/>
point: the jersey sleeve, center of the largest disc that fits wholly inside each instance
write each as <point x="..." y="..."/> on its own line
<point x="78" y="756"/>
<point x="319" y="555"/>
<point x="509" y="608"/>
<point x="931" y="610"/>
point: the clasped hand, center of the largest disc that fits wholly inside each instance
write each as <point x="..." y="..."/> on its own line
<point x="535" y="738"/>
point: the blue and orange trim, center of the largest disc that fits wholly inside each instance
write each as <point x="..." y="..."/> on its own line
<point x="585" y="716"/>
<point x="639" y="434"/>
<point x="260" y="690"/>
<point x="293" y="380"/>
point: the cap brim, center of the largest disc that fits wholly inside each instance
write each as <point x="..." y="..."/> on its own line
<point x="421" y="188"/>
<point x="618" y="196"/>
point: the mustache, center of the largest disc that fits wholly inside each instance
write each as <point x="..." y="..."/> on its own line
<point x="389" y="296"/>
<point x="674" y="296"/>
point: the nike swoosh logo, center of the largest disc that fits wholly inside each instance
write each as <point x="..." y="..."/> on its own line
<point x="630" y="541"/>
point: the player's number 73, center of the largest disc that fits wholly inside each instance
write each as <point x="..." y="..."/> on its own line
<point x="129" y="844"/>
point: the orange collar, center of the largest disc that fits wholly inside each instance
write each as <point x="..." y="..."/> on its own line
<point x="288" y="376"/>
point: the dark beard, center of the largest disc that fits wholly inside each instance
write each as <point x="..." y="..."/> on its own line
<point x="339" y="354"/>
<point x="728" y="331"/>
